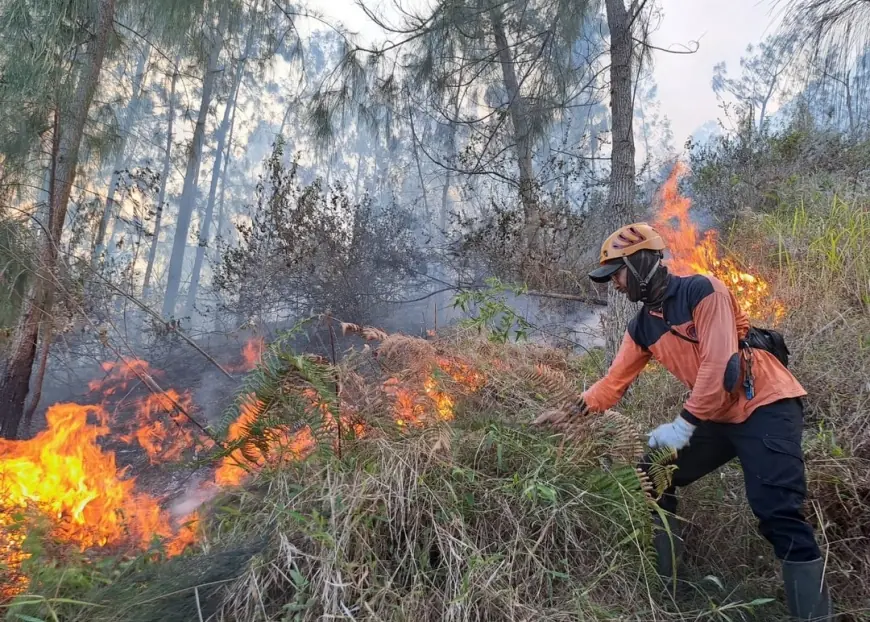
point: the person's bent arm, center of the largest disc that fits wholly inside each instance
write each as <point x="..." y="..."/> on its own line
<point x="627" y="365"/>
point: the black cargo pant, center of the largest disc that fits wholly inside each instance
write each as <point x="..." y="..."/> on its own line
<point x="768" y="445"/>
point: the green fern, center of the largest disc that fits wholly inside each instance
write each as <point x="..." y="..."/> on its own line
<point x="264" y="381"/>
<point x="285" y="390"/>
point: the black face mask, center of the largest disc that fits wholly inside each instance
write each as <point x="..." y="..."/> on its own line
<point x="647" y="278"/>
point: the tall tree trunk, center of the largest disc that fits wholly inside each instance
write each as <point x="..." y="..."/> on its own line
<point x="848" y="83"/>
<point x="522" y="132"/>
<point x="15" y="382"/>
<point x="191" y="176"/>
<point x="762" y="115"/>
<point x="223" y="131"/>
<point x="47" y="323"/>
<point x="448" y="178"/>
<point x="445" y="204"/>
<point x="414" y="139"/>
<point x="46" y="334"/>
<point x="620" y="199"/>
<point x="228" y="156"/>
<point x="161" y="195"/>
<point x="356" y="187"/>
<point x="122" y="160"/>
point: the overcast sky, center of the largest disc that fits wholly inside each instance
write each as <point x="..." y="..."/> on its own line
<point x="723" y="29"/>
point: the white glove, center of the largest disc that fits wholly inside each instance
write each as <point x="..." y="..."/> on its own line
<point x="675" y="434"/>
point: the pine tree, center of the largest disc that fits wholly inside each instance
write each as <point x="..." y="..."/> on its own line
<point x="68" y="128"/>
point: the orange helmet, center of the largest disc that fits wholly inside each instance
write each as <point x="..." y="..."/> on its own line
<point x="621" y="243"/>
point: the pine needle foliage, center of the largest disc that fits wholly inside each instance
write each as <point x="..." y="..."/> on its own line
<point x="15" y="269"/>
<point x="448" y="50"/>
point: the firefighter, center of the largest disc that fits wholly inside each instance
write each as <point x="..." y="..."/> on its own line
<point x="744" y="403"/>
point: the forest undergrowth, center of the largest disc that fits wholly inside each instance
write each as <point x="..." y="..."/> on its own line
<point x="416" y="488"/>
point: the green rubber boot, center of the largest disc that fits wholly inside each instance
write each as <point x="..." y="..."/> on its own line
<point x="806" y="591"/>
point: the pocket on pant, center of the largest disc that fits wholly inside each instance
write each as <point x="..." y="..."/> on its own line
<point x="784" y="464"/>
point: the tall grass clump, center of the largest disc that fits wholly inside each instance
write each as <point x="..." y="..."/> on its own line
<point x="823" y="271"/>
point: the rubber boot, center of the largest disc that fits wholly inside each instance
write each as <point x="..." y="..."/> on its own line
<point x="668" y="547"/>
<point x="806" y="591"/>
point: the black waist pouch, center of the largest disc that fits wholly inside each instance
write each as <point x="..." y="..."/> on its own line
<point x="768" y="340"/>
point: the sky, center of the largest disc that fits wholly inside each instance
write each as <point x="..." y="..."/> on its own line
<point x="723" y="29"/>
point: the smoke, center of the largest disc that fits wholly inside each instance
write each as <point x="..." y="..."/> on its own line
<point x="200" y="490"/>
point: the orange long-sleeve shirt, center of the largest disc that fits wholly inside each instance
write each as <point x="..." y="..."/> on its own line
<point x="708" y="323"/>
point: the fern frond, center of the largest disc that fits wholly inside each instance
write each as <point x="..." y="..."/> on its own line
<point x="554" y="383"/>
<point x="347" y="327"/>
<point x="370" y="333"/>
<point x="408" y="355"/>
<point x="661" y="469"/>
<point x="284" y="395"/>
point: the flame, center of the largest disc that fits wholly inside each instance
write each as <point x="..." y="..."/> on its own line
<point x="443" y="402"/>
<point x="159" y="426"/>
<point x="12" y="555"/>
<point x="462" y="373"/>
<point x="65" y="475"/>
<point x="119" y="375"/>
<point x="163" y="440"/>
<point x="252" y="354"/>
<point x="407" y="407"/>
<point x="185" y="537"/>
<point x="692" y="253"/>
<point x="280" y="444"/>
<point x="412" y="407"/>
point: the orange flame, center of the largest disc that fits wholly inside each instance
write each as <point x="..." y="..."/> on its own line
<point x="407" y="407"/>
<point x="64" y="474"/>
<point x="163" y="440"/>
<point x="691" y="253"/>
<point x="119" y="376"/>
<point x="252" y="354"/>
<point x="159" y="427"/>
<point x="443" y="402"/>
<point x="462" y="373"/>
<point x="281" y="444"/>
<point x="411" y="406"/>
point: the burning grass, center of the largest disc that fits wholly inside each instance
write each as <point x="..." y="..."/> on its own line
<point x="64" y="475"/>
<point x="481" y="524"/>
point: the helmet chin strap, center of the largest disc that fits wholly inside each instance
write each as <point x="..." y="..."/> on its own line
<point x="643" y="281"/>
